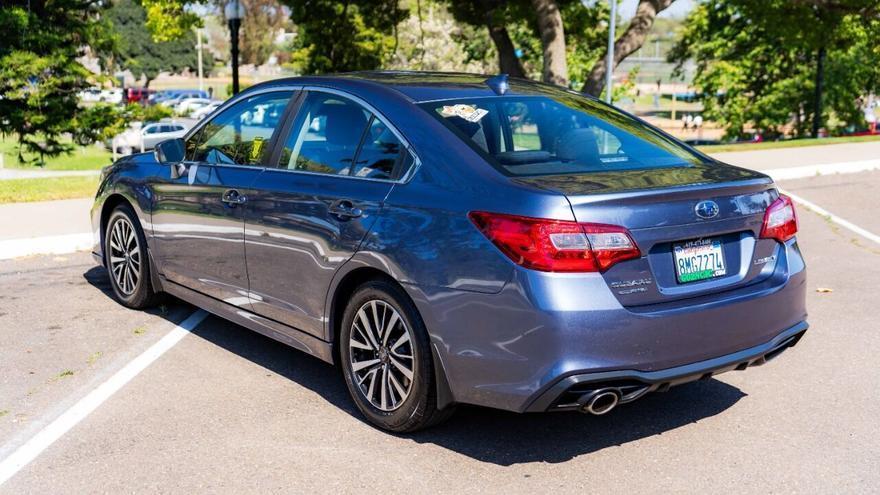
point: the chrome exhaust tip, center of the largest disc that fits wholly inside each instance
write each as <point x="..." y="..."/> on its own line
<point x="601" y="402"/>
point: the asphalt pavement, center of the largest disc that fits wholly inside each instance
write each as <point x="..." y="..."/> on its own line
<point x="227" y="410"/>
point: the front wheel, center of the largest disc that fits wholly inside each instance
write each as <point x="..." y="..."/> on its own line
<point x="126" y="258"/>
<point x="386" y="359"/>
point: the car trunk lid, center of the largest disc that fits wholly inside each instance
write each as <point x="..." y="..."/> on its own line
<point x="659" y="207"/>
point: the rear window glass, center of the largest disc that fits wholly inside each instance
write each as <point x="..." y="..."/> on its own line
<point x="539" y="135"/>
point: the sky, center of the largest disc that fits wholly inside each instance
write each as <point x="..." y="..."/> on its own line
<point x="679" y="8"/>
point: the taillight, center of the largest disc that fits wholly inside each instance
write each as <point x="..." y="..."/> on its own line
<point x="556" y="245"/>
<point x="780" y="220"/>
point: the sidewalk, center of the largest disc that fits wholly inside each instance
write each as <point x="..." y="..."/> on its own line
<point x="798" y="157"/>
<point x="48" y="227"/>
<point x="14" y="173"/>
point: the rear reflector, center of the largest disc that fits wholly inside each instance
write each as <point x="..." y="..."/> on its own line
<point x="556" y="245"/>
<point x="780" y="220"/>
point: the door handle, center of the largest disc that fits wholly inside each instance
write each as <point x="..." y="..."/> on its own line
<point x="345" y="209"/>
<point x="232" y="197"/>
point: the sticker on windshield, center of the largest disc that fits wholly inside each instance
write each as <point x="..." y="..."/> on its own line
<point x="467" y="112"/>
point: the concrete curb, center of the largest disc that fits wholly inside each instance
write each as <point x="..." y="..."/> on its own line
<point x="56" y="244"/>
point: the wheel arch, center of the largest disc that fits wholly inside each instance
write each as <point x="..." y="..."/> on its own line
<point x="113" y="201"/>
<point x="342" y="290"/>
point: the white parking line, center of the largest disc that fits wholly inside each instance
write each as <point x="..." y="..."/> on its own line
<point x="70" y="418"/>
<point x="834" y="218"/>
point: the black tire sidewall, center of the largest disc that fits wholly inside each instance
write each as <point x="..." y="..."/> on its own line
<point x="404" y="417"/>
<point x="143" y="291"/>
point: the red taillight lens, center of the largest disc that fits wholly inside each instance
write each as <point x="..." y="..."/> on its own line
<point x="780" y="220"/>
<point x="556" y="245"/>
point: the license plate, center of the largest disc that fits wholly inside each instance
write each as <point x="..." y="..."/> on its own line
<point x="698" y="260"/>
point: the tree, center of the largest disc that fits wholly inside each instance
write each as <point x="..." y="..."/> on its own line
<point x="493" y="15"/>
<point x="758" y="62"/>
<point x="553" y="41"/>
<point x="339" y="36"/>
<point x="141" y="54"/>
<point x="39" y="72"/>
<point x="265" y="18"/>
<point x="547" y="39"/>
<point x="627" y="44"/>
<point x="430" y="39"/>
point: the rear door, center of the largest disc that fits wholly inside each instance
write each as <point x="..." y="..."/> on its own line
<point x="337" y="162"/>
<point x="199" y="209"/>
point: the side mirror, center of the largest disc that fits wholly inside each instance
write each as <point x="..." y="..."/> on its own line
<point x="170" y="151"/>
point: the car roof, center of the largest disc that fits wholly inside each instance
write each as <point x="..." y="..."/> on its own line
<point x="422" y="86"/>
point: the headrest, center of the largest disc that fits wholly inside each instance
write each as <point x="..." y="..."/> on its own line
<point x="345" y="123"/>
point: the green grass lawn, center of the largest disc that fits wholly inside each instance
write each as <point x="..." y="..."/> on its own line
<point x="27" y="190"/>
<point x="82" y="158"/>
<point x="793" y="143"/>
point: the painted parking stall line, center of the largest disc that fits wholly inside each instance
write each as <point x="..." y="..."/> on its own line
<point x="22" y="456"/>
<point x="834" y="218"/>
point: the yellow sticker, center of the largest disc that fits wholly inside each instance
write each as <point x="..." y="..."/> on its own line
<point x="256" y="149"/>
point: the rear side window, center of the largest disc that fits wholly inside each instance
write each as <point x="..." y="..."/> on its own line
<point x="565" y="134"/>
<point x="241" y="134"/>
<point x="336" y="136"/>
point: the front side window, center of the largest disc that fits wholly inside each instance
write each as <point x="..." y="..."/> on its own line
<point x="239" y="135"/>
<point x="562" y="134"/>
<point x="334" y="135"/>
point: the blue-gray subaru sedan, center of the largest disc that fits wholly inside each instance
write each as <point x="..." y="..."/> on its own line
<point x="460" y="239"/>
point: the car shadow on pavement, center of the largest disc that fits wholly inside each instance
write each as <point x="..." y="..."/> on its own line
<point x="486" y="435"/>
<point x="505" y="438"/>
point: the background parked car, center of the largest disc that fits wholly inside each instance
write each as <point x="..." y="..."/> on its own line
<point x="95" y="95"/>
<point x="138" y="95"/>
<point x="149" y="134"/>
<point x="190" y="104"/>
<point x="206" y="110"/>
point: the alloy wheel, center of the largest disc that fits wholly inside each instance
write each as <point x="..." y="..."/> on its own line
<point x="381" y="355"/>
<point x="125" y="256"/>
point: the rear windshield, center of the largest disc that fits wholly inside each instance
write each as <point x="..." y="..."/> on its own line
<point x="564" y="134"/>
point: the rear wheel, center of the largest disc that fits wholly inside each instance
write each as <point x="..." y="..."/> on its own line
<point x="127" y="261"/>
<point x="386" y="359"/>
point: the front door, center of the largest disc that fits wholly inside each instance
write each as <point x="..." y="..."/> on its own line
<point x="199" y="210"/>
<point x="337" y="164"/>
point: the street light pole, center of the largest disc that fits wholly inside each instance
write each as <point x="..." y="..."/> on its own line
<point x="234" y="12"/>
<point x="609" y="59"/>
<point x="199" y="48"/>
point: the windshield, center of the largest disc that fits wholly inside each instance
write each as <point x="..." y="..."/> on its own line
<point x="564" y="134"/>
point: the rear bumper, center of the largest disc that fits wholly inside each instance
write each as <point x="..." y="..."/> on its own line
<point x="507" y="350"/>
<point x="564" y="393"/>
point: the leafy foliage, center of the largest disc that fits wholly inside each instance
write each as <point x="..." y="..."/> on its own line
<point x="756" y="61"/>
<point x="39" y="72"/>
<point x="584" y="23"/>
<point x="335" y="36"/>
<point x="141" y="54"/>
<point x="168" y="20"/>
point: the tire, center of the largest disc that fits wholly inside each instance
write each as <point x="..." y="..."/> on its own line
<point x="368" y="361"/>
<point x="127" y="260"/>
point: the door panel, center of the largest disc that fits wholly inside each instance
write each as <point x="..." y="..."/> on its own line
<point x="199" y="238"/>
<point x="337" y="163"/>
<point x="295" y="243"/>
<point x="198" y="217"/>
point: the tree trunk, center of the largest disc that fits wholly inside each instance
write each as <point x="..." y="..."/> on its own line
<point x="553" y="42"/>
<point x="508" y="62"/>
<point x="630" y="41"/>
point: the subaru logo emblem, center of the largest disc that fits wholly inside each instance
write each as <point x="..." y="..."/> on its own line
<point x="706" y="209"/>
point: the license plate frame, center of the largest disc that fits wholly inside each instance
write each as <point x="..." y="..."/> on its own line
<point x="698" y="260"/>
